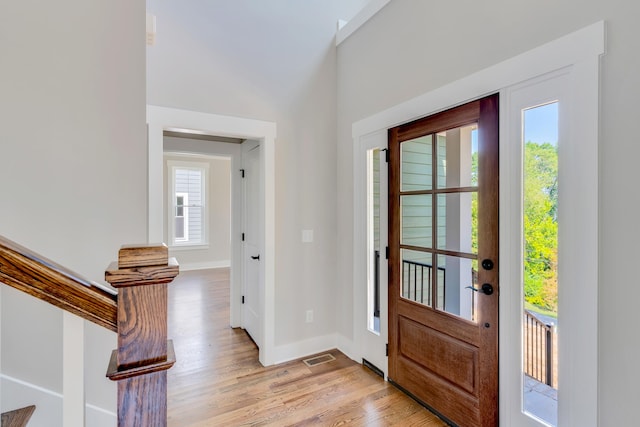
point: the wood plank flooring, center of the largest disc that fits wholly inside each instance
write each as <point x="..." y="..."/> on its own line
<point x="218" y="381"/>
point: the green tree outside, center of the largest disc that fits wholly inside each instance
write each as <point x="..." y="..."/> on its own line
<point x="540" y="224"/>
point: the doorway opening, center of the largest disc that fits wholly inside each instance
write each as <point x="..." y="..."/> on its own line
<point x="161" y="120"/>
<point x="198" y="208"/>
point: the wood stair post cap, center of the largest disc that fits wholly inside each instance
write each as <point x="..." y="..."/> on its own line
<point x="144" y="255"/>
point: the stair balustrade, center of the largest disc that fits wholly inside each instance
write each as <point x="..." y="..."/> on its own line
<point x="137" y="312"/>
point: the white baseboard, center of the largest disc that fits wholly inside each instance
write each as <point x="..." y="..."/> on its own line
<point x="204" y="265"/>
<point x="18" y="394"/>
<point x="346" y="346"/>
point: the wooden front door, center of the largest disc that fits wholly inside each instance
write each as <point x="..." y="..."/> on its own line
<point x="443" y="261"/>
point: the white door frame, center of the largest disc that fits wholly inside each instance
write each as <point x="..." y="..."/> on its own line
<point x="163" y="118"/>
<point x="580" y="51"/>
<point x="367" y="344"/>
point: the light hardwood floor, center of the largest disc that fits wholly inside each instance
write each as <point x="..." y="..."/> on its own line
<point x="218" y="381"/>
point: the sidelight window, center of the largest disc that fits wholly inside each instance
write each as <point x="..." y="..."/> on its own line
<point x="540" y="261"/>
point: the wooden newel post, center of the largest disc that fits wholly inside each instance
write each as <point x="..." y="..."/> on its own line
<point x="144" y="354"/>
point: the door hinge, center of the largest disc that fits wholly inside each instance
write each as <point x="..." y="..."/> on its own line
<point x="243" y="299"/>
<point x="242" y="172"/>
<point x="386" y="252"/>
<point x="387" y="349"/>
<point x="386" y="154"/>
<point x="243" y="237"/>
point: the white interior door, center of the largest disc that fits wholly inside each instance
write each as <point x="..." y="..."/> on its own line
<point x="252" y="250"/>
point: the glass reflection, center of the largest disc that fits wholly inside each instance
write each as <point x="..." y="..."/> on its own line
<point x="417" y="224"/>
<point x="416" y="164"/>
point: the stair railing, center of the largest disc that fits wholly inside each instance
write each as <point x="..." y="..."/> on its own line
<point x="44" y="279"/>
<point x="138" y="313"/>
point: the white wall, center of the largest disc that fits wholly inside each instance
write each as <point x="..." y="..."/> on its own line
<point x="218" y="199"/>
<point x="72" y="114"/>
<point x="408" y="49"/>
<point x="272" y="61"/>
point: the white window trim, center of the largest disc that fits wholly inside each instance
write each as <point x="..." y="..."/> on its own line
<point x="192" y="247"/>
<point x="172" y="165"/>
<point x="577" y="251"/>
<point x="581" y="51"/>
<point x="578" y="85"/>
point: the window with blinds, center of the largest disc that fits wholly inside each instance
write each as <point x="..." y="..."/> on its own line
<point x="188" y="203"/>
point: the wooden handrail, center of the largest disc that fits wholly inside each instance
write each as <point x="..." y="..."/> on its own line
<point x="138" y="313"/>
<point x="44" y="279"/>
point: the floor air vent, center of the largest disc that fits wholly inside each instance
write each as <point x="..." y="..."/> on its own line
<point x="318" y="360"/>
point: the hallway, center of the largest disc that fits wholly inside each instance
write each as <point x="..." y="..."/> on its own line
<point x="218" y="381"/>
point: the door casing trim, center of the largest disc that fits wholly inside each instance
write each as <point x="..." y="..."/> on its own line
<point x="361" y="264"/>
<point x="163" y="118"/>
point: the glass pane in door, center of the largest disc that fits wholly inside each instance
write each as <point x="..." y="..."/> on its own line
<point x="458" y="222"/>
<point x="540" y="263"/>
<point x="457" y="279"/>
<point x="439" y="220"/>
<point x="417" y="276"/>
<point x="416" y="220"/>
<point x="416" y="164"/>
<point x="458" y="157"/>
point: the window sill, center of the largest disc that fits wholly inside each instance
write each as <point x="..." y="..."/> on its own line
<point x="190" y="247"/>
